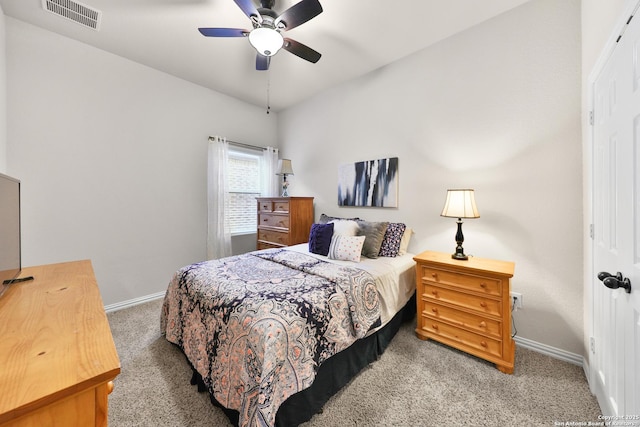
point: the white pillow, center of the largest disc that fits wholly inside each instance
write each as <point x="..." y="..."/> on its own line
<point x="404" y="242"/>
<point x="346" y="248"/>
<point x="345" y="227"/>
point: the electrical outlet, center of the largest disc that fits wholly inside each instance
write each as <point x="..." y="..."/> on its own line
<point x="516" y="300"/>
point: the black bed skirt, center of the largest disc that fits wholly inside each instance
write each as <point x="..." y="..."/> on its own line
<point x="332" y="375"/>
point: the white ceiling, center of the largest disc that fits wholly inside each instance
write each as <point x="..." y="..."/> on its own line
<point x="353" y="36"/>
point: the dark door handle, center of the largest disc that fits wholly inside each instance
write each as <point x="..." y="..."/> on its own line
<point x="615" y="282"/>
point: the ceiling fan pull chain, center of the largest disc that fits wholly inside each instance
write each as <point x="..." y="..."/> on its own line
<point x="268" y="91"/>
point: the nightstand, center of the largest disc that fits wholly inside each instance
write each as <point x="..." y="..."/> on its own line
<point x="466" y="305"/>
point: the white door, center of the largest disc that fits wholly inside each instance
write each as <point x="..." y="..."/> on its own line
<point x="616" y="245"/>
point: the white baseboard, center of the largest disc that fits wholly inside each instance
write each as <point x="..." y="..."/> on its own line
<point x="554" y="352"/>
<point x="133" y="302"/>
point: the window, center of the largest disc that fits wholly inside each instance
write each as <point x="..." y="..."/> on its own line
<point x="244" y="187"/>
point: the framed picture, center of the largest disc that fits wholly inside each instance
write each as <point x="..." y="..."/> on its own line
<point x="369" y="183"/>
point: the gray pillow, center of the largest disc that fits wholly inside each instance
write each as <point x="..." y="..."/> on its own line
<point x="374" y="235"/>
<point x="324" y="219"/>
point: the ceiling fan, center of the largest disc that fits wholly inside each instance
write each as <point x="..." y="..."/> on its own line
<point x="266" y="36"/>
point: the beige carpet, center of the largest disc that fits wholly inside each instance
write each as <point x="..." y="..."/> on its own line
<point x="414" y="383"/>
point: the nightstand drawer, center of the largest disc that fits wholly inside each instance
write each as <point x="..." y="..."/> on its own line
<point x="271" y="236"/>
<point x="466" y="320"/>
<point x="472" y="302"/>
<point x="485" y="285"/>
<point x="273" y="220"/>
<point x="469" y="339"/>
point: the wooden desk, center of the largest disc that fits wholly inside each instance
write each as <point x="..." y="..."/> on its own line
<point x="57" y="356"/>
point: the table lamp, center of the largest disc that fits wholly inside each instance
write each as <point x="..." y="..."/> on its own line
<point x="460" y="204"/>
<point x="284" y="169"/>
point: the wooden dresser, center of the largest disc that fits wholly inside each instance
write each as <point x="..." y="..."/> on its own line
<point x="57" y="356"/>
<point x="284" y="221"/>
<point x="466" y="305"/>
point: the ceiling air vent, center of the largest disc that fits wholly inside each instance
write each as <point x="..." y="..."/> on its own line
<point x="74" y="11"/>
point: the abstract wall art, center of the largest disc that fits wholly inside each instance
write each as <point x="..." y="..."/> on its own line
<point x="369" y="183"/>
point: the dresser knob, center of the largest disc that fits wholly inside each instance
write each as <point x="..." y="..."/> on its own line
<point x="435" y="310"/>
<point x="483" y="304"/>
<point x="483" y="324"/>
<point x="434" y="293"/>
<point x="435" y="327"/>
<point x="483" y="285"/>
<point x="483" y="343"/>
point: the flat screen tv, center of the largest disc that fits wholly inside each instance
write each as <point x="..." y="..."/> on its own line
<point x="10" y="254"/>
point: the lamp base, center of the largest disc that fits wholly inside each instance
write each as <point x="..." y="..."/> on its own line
<point x="459" y="256"/>
<point x="285" y="186"/>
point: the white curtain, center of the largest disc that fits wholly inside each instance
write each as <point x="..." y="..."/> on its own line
<point x="270" y="181"/>
<point x="218" y="234"/>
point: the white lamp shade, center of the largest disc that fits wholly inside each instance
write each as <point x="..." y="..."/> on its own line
<point x="460" y="204"/>
<point x="266" y="41"/>
<point x="284" y="167"/>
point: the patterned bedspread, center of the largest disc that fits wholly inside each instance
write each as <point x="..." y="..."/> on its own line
<point x="258" y="326"/>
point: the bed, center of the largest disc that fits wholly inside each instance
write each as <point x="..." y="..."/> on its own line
<point x="273" y="334"/>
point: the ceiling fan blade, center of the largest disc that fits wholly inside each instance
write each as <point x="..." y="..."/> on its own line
<point x="249" y="9"/>
<point x="223" y="32"/>
<point x="299" y="13"/>
<point x="262" y="62"/>
<point x="303" y="51"/>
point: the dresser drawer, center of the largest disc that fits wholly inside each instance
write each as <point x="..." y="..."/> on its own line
<point x="471" y="321"/>
<point x="273" y="206"/>
<point x="469" y="339"/>
<point x="485" y="285"/>
<point x="272" y="236"/>
<point x="472" y="302"/>
<point x="273" y="220"/>
<point x="266" y="245"/>
<point x="265" y="206"/>
<point x="280" y="206"/>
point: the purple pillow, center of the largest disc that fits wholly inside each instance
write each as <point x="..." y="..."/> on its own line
<point x="320" y="238"/>
<point x="391" y="241"/>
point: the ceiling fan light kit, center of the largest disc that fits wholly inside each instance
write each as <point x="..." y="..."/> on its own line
<point x="266" y="36"/>
<point x="266" y="41"/>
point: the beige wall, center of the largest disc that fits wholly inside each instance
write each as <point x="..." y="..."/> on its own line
<point x="495" y="108"/>
<point x="598" y="20"/>
<point x="112" y="158"/>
